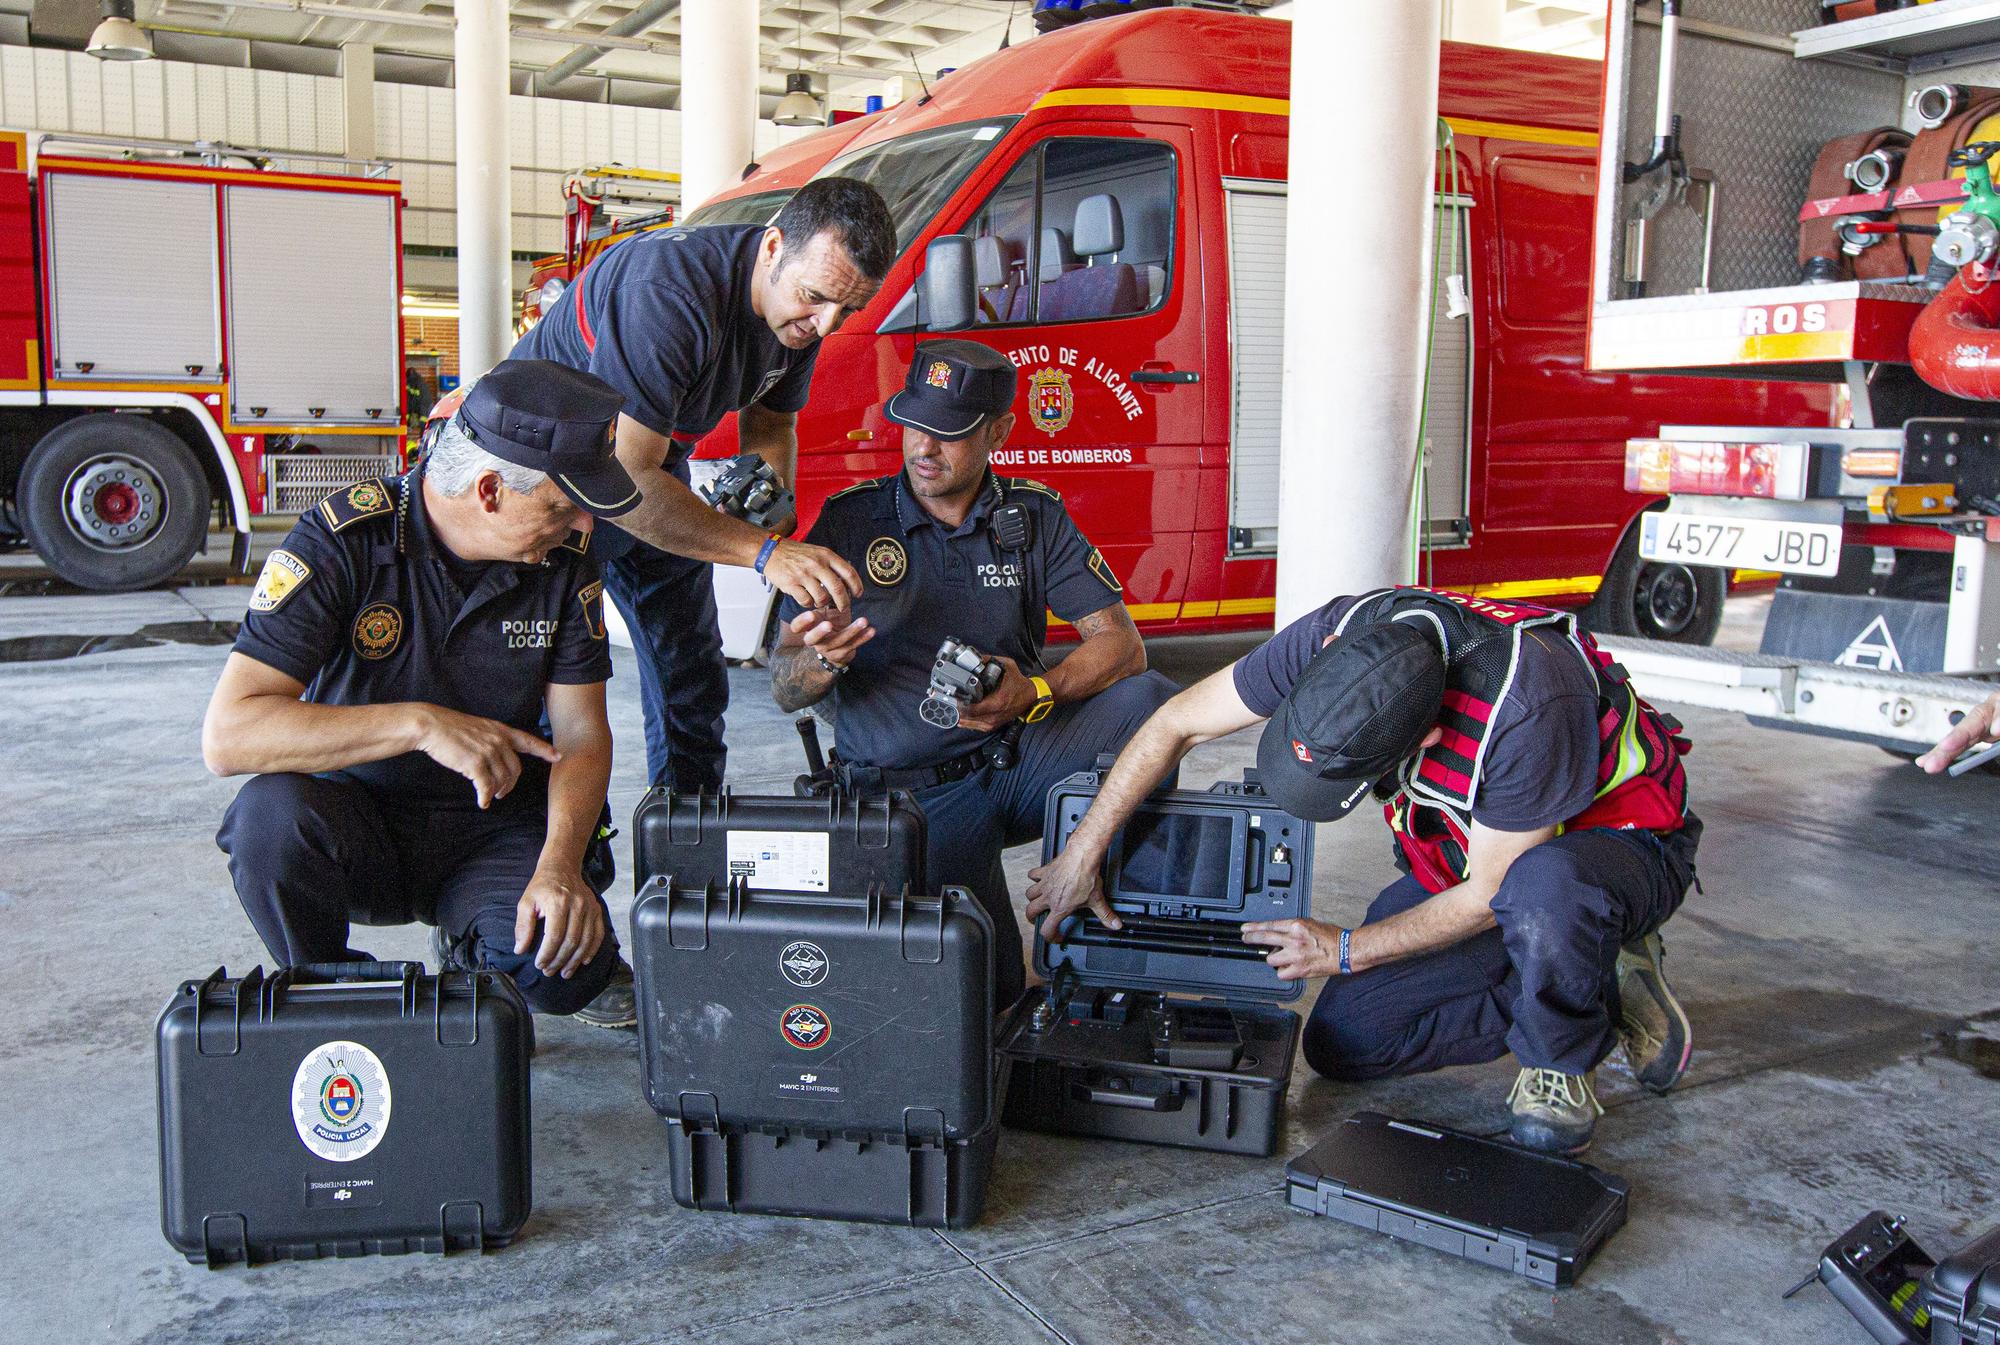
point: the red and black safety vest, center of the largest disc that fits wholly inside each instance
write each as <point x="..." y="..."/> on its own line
<point x="1640" y="783"/>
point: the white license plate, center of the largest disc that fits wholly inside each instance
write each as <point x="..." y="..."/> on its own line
<point x="1738" y="543"/>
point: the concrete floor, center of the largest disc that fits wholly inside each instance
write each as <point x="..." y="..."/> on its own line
<point x="1839" y="970"/>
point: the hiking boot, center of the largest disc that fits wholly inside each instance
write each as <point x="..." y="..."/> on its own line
<point x="1652" y="1027"/>
<point x="1553" y="1112"/>
<point x="617" y="1005"/>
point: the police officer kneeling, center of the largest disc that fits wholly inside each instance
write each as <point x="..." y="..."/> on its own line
<point x="1541" y="815"/>
<point x="388" y="685"/>
<point x="950" y="550"/>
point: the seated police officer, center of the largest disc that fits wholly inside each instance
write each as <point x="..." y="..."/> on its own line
<point x="951" y="551"/>
<point x="388" y="687"/>
<point x="1541" y="816"/>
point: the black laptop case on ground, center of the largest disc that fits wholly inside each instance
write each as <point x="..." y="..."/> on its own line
<point x="1534" y="1214"/>
<point x="1167" y="1031"/>
<point x="837" y="843"/>
<point x="819" y="1055"/>
<point x="343" y="1110"/>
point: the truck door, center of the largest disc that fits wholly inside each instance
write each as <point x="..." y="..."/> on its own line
<point x="1088" y="282"/>
<point x="1256" y="219"/>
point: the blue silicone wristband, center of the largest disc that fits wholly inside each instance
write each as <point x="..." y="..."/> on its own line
<point x="764" y="553"/>
<point x="1346" y="938"/>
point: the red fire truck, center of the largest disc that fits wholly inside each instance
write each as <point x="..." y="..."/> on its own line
<point x="186" y="335"/>
<point x="1123" y="182"/>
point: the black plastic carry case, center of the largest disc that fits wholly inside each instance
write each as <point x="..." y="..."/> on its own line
<point x="1167" y="1031"/>
<point x="1963" y="1294"/>
<point x="343" y="1110"/>
<point x="1537" y="1215"/>
<point x="839" y="842"/>
<point x="818" y="1055"/>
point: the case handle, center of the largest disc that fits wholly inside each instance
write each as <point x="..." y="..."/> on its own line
<point x="331" y="973"/>
<point x="1167" y="1098"/>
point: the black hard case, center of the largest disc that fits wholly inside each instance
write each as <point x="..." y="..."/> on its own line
<point x="1537" y="1215"/>
<point x="1963" y="1294"/>
<point x="452" y="1170"/>
<point x="876" y="840"/>
<point x="888" y="1117"/>
<point x="1072" y="1079"/>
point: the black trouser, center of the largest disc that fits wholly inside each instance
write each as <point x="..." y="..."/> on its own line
<point x="668" y="603"/>
<point x="310" y="854"/>
<point x="970" y="821"/>
<point x="1543" y="984"/>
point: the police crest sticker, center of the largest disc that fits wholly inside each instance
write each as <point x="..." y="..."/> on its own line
<point x="1051" y="403"/>
<point x="283" y="573"/>
<point x="377" y="631"/>
<point x="805" y="1026"/>
<point x="340" y="1101"/>
<point x="887" y="561"/>
<point x="804" y="964"/>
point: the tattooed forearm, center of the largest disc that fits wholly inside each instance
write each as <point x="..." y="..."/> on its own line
<point x="797" y="680"/>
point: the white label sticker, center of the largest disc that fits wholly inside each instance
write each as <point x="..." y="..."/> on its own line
<point x="785" y="861"/>
<point x="340" y="1101"/>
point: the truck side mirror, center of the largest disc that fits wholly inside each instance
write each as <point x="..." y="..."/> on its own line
<point x="946" y="290"/>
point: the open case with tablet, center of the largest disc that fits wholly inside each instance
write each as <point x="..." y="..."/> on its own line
<point x="1169" y="1030"/>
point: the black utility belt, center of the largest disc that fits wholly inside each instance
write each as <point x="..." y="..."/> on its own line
<point x="916" y="777"/>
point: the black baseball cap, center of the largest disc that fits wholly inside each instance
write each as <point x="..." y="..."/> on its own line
<point x="952" y="386"/>
<point x="1362" y="705"/>
<point x="555" y="419"/>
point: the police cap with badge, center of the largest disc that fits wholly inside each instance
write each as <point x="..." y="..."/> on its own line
<point x="952" y="388"/>
<point x="558" y="420"/>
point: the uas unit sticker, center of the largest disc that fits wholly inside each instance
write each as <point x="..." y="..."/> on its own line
<point x="340" y="1101"/>
<point x="804" y="964"/>
<point x="805" y="1026"/>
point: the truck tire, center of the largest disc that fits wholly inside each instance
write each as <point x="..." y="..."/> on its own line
<point x="113" y="501"/>
<point x="1657" y="600"/>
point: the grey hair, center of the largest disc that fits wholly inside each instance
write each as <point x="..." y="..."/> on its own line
<point x="455" y="462"/>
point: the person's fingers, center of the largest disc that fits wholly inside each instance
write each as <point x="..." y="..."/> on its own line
<point x="589" y="940"/>
<point x="564" y="961"/>
<point x="1264" y="937"/>
<point x="530" y="744"/>
<point x="555" y="924"/>
<point x="506" y="768"/>
<point x="820" y="637"/>
<point x="804" y="621"/>
<point x="845" y="576"/>
<point x="1103" y="908"/>
<point x="524" y="924"/>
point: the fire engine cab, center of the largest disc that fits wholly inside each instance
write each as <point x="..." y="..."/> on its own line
<point x="187" y="335"/>
<point x="1119" y="187"/>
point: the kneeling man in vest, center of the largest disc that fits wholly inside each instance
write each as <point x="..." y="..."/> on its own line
<point x="1540" y="812"/>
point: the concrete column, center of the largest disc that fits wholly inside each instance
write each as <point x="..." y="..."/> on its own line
<point x="357" y="91"/>
<point x="479" y="99"/>
<point x="718" y="96"/>
<point x="1354" y="314"/>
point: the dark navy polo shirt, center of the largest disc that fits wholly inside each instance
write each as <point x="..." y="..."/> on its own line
<point x="923" y="583"/>
<point x="360" y="604"/>
<point x="665" y="318"/>
<point x="1542" y="748"/>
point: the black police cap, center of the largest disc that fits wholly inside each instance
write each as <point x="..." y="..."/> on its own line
<point x="555" y="419"/>
<point x="1362" y="705"/>
<point x="951" y="387"/>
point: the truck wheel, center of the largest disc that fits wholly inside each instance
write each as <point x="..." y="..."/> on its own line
<point x="1657" y="600"/>
<point x="113" y="501"/>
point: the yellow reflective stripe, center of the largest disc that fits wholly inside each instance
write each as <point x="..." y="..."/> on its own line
<point x="1631" y="755"/>
<point x="1282" y="107"/>
<point x="1245" y="606"/>
<point x="1584" y="584"/>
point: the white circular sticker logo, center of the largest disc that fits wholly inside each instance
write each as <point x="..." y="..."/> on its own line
<point x="340" y="1101"/>
<point x="804" y="964"/>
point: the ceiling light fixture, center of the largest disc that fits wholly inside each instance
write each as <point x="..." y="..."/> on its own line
<point x="117" y="38"/>
<point x="798" y="107"/>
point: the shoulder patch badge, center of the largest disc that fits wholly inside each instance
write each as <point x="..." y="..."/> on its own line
<point x="283" y="573"/>
<point x="377" y="631"/>
<point x="1102" y="570"/>
<point x="1028" y="483"/>
<point x="366" y="499"/>
<point x="591" y="598"/>
<point x="887" y="561"/>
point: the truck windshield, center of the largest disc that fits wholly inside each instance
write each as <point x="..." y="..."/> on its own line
<point x="918" y="173"/>
<point x="757" y="208"/>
